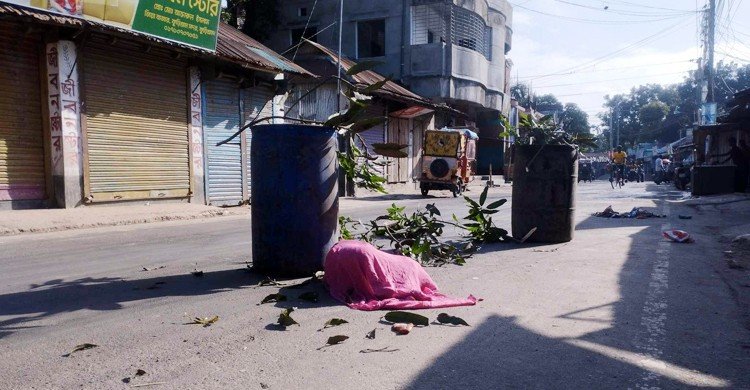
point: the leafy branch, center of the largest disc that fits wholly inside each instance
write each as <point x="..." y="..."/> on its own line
<point x="419" y="235"/>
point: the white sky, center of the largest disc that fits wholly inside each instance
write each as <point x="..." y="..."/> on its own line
<point x="631" y="43"/>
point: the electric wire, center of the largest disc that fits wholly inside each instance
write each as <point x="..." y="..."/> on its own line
<point x="659" y="34"/>
<point x="304" y="31"/>
<point x="595" y="21"/>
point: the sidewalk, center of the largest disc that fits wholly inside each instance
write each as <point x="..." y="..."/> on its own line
<point x="51" y="220"/>
<point x="13" y="222"/>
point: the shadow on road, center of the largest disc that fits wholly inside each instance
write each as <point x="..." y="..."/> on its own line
<point x="58" y="296"/>
<point x="655" y="336"/>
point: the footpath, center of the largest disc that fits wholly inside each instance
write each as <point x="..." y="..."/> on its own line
<point x="15" y="222"/>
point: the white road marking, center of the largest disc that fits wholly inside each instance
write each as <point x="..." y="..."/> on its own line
<point x="658" y="367"/>
<point x="651" y="337"/>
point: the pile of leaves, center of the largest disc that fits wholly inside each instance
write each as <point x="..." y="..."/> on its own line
<point x="419" y="235"/>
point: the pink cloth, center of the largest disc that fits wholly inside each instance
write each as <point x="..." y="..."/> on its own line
<point x="365" y="278"/>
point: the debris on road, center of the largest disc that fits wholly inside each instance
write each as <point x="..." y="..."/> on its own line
<point x="269" y="282"/>
<point x="338" y="339"/>
<point x="384" y="349"/>
<point x="146" y="269"/>
<point x="679" y="236"/>
<point x="197" y="273"/>
<point x="444" y="318"/>
<point x="81" y="347"/>
<point x="273" y="298"/>
<point x="205" y="321"/>
<point x="637" y="213"/>
<point x="285" y="318"/>
<point x="402" y="328"/>
<point x="406" y="317"/>
<point x="370" y="335"/>
<point x="334" y="322"/>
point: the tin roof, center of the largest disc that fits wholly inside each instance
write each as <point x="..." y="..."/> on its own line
<point x="232" y="45"/>
<point x="390" y="90"/>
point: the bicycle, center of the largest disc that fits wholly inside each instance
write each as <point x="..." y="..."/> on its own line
<point x="617" y="178"/>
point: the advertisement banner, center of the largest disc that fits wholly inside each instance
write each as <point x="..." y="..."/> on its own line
<point x="708" y="113"/>
<point x="192" y="22"/>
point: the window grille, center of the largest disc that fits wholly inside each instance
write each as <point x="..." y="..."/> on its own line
<point x="468" y="30"/>
<point x="429" y="23"/>
<point x="445" y="22"/>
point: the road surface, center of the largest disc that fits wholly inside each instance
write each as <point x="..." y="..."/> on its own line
<point x="618" y="307"/>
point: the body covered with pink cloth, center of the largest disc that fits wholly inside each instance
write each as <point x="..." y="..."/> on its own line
<point x="365" y="278"/>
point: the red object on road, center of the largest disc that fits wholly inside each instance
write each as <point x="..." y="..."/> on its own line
<point x="680" y="236"/>
<point x="365" y="278"/>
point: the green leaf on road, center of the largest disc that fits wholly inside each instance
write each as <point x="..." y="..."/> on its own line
<point x="406" y="317"/>
<point x="81" y="347"/>
<point x="310" y="296"/>
<point x="273" y="298"/>
<point x="285" y="318"/>
<point x="269" y="282"/>
<point x="335" y="322"/>
<point x="444" y="318"/>
<point x="205" y="321"/>
<point x="333" y="340"/>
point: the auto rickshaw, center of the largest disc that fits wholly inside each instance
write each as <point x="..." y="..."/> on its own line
<point x="448" y="160"/>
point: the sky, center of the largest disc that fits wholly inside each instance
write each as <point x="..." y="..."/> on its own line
<point x="582" y="50"/>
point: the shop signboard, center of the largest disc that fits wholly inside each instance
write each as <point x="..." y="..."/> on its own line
<point x="192" y="22"/>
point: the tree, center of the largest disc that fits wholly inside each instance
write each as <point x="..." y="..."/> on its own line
<point x="651" y="115"/>
<point x="520" y="92"/>
<point x="546" y="103"/>
<point x="574" y="120"/>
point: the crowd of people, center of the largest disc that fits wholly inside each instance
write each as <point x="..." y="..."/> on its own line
<point x="666" y="168"/>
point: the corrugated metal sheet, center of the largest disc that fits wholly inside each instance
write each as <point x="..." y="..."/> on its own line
<point x="398" y="168"/>
<point x="232" y="45"/>
<point x="257" y="104"/>
<point x="375" y="134"/>
<point x="136" y="122"/>
<point x="22" y="174"/>
<point x="390" y="90"/>
<point x="224" y="171"/>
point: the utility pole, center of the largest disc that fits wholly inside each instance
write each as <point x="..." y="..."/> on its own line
<point x="611" y="129"/>
<point x="710" y="63"/>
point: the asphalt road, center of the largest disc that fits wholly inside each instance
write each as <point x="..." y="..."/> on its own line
<point x="618" y="307"/>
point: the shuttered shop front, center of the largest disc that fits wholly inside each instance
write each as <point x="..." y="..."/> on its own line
<point x="136" y="122"/>
<point x="224" y="163"/>
<point x="257" y="104"/>
<point x="22" y="174"/>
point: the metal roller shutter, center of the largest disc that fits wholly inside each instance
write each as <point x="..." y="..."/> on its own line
<point x="136" y="122"/>
<point x="375" y="135"/>
<point x="22" y="174"/>
<point x="224" y="163"/>
<point x="258" y="103"/>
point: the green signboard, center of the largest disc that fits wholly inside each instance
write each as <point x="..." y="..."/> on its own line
<point x="193" y="22"/>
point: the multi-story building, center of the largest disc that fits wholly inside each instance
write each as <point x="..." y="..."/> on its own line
<point x="450" y="51"/>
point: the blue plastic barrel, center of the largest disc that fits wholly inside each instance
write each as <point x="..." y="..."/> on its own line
<point x="294" y="202"/>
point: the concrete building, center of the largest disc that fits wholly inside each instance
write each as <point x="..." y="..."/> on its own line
<point x="450" y="51"/>
<point x="91" y="113"/>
